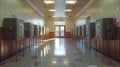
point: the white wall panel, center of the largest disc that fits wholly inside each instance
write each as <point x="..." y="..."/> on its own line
<point x="19" y="9"/>
<point x="103" y="8"/>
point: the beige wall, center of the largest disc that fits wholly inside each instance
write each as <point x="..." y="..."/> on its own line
<point x="70" y="23"/>
<point x="102" y="8"/>
<point x="49" y="22"/>
<point x="20" y="9"/>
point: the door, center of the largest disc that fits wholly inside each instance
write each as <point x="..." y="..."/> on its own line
<point x="59" y="30"/>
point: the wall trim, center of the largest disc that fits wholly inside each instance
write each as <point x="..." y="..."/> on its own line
<point x="90" y="2"/>
<point x="35" y="8"/>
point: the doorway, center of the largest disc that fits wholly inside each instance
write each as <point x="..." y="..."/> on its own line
<point x="59" y="31"/>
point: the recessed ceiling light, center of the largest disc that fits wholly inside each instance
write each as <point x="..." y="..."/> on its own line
<point x="71" y="1"/>
<point x="57" y="16"/>
<point x="49" y="1"/>
<point x="68" y="10"/>
<point x="53" y="1"/>
<point x="53" y="10"/>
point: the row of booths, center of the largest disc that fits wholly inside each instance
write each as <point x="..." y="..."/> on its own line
<point x="100" y="35"/>
<point x="17" y="35"/>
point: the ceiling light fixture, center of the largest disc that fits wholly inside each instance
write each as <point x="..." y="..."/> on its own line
<point x="56" y="16"/>
<point x="68" y="10"/>
<point x="71" y="1"/>
<point x="53" y="10"/>
<point x="53" y="1"/>
<point x="49" y="1"/>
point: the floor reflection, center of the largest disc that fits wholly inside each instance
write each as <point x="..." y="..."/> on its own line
<point x="60" y="53"/>
<point x="59" y="49"/>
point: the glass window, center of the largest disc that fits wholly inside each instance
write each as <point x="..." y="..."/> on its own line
<point x="59" y="23"/>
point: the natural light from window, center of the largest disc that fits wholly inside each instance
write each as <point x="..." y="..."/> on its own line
<point x="59" y="49"/>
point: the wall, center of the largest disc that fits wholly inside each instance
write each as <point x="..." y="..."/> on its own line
<point x="69" y="23"/>
<point x="19" y="9"/>
<point x="102" y="8"/>
<point x="49" y="22"/>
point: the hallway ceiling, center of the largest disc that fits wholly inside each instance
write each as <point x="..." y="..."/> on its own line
<point x="44" y="8"/>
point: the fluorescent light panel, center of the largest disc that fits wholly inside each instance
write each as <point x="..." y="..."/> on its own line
<point x="53" y="10"/>
<point x="68" y="10"/>
<point x="49" y="1"/>
<point x="53" y="1"/>
<point x="56" y="16"/>
<point x="71" y="2"/>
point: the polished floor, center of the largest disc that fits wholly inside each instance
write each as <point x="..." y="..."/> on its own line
<point x="59" y="52"/>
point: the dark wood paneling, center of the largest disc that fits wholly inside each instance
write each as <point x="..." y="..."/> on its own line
<point x="1" y="42"/>
<point x="118" y="32"/>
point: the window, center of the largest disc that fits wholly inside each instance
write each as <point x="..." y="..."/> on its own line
<point x="59" y="23"/>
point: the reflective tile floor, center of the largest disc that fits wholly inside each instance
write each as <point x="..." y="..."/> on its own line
<point x="60" y="52"/>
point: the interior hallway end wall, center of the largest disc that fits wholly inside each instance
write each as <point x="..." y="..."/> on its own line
<point x="49" y="22"/>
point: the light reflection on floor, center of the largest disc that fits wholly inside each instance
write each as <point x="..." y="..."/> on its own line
<point x="59" y="49"/>
<point x="60" y="53"/>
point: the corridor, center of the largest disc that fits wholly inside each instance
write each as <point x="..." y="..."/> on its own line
<point x="59" y="33"/>
<point x="59" y="52"/>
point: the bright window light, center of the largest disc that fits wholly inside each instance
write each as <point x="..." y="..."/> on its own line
<point x="59" y="49"/>
<point x="59" y="23"/>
